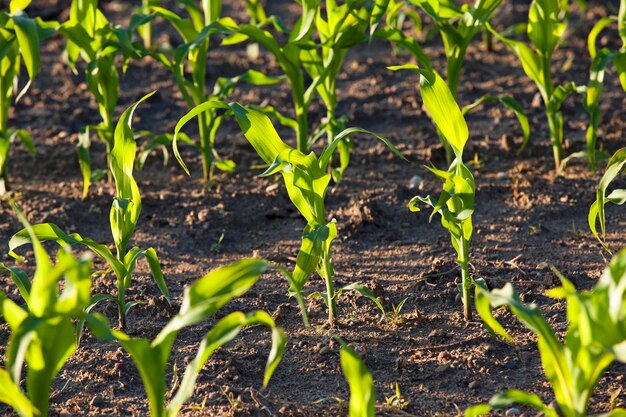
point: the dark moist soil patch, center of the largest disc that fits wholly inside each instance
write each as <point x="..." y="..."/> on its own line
<point x="525" y="220"/>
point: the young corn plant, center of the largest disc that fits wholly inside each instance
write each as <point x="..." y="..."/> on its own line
<point x="43" y="333"/>
<point x="458" y="25"/>
<point x="196" y="32"/>
<point x="595" y="338"/>
<point x="546" y="25"/>
<point x="124" y="217"/>
<point x="90" y="36"/>
<point x="456" y="202"/>
<point x="344" y="27"/>
<point x="617" y="196"/>
<point x="289" y="57"/>
<point x="201" y="300"/>
<point x="601" y="60"/>
<point x="306" y="179"/>
<point x="19" y="43"/>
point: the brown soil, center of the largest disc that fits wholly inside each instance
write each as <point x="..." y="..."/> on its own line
<point x="525" y="219"/>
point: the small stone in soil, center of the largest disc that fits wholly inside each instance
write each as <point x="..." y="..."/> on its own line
<point x="415" y="182"/>
<point x="511" y="412"/>
<point x="97" y="401"/>
<point x="473" y="385"/>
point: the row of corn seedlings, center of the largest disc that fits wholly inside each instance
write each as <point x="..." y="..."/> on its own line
<point x="315" y="50"/>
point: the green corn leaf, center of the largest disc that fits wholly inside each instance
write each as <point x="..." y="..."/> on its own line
<point x="20" y="279"/>
<point x="397" y="37"/>
<point x="305" y="23"/>
<point x="545" y="25"/>
<point x="260" y="132"/>
<point x="620" y="66"/>
<point x="150" y="360"/>
<point x="362" y="391"/>
<point x="155" y="267"/>
<point x="618" y="412"/>
<point x="560" y="94"/>
<point x="26" y="139"/>
<point x="211" y="292"/>
<point x="552" y="352"/>
<point x="313" y="239"/>
<point x="28" y="39"/>
<point x="367" y="293"/>
<point x="595" y="31"/>
<point x="531" y="62"/>
<point x="596" y="212"/>
<point x="11" y="394"/>
<point x="326" y="155"/>
<point x="223" y="332"/>
<point x="49" y="231"/>
<point x="507" y="398"/>
<point x="483" y="307"/>
<point x="12" y="314"/>
<point x="478" y="410"/>
<point x="380" y="8"/>
<point x="201" y="108"/>
<point x="17" y="5"/>
<point x="184" y="27"/>
<point x="55" y="344"/>
<point x="442" y="107"/>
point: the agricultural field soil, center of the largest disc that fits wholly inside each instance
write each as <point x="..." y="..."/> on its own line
<point x="526" y="219"/>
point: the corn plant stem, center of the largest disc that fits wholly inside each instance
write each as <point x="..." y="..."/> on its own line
<point x="330" y="132"/>
<point x="556" y="137"/>
<point x="147" y="28"/>
<point x="466" y="282"/>
<point x="302" y="118"/>
<point x="121" y="290"/>
<point x="554" y="124"/>
<point x="4" y="136"/>
<point x="327" y="271"/>
<point x="206" y="148"/>
<point x="121" y="296"/>
<point x="107" y="137"/>
<point x="303" y="309"/>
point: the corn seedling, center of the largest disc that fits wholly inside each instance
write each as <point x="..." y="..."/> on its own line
<point x="91" y="37"/>
<point x="289" y="57"/>
<point x="546" y="25"/>
<point x="124" y="217"/>
<point x="362" y="391"/>
<point x="345" y="26"/>
<point x="595" y="338"/>
<point x="201" y="300"/>
<point x="458" y="25"/>
<point x="397" y="401"/>
<point x="43" y="334"/>
<point x="196" y="32"/>
<point x="19" y="42"/>
<point x="392" y="315"/>
<point x="617" y="196"/>
<point x="456" y="202"/>
<point x="307" y="183"/>
<point x="600" y="62"/>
